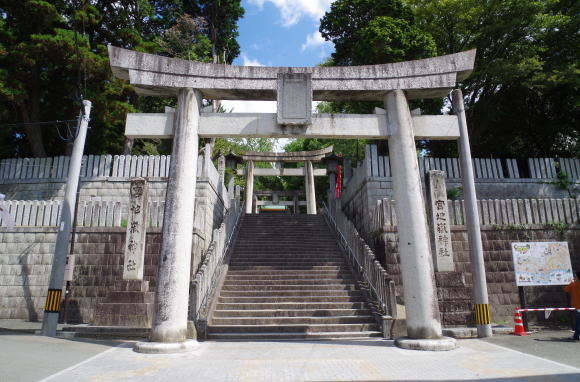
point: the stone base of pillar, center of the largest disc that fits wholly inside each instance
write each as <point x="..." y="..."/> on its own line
<point x="165" y="347"/>
<point x="429" y="344"/>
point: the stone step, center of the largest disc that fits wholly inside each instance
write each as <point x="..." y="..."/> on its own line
<point x="285" y="263"/>
<point x="292" y="313"/>
<point x="328" y="320"/>
<point x="286" y="253"/>
<point x="293" y="328"/>
<point x="254" y="258"/>
<point x="286" y="287"/>
<point x="237" y="305"/>
<point x="283" y="284"/>
<point x="285" y="299"/>
<point x="289" y="268"/>
<point x="290" y="293"/>
<point x="289" y="276"/>
<point x="288" y="273"/>
<point x="286" y="248"/>
<point x="295" y="336"/>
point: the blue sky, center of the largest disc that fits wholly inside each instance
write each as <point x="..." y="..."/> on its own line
<point x="279" y="33"/>
<point x="282" y="33"/>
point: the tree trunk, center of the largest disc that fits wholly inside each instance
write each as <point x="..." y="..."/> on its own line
<point x="33" y="135"/>
<point x="128" y="146"/>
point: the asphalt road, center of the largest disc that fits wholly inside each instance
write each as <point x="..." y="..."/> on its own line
<point x="27" y="357"/>
<point x="554" y="345"/>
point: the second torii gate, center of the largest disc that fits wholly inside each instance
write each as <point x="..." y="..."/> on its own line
<point x="308" y="171"/>
<point x="294" y="89"/>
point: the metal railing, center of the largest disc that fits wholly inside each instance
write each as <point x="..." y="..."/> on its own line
<point x="363" y="260"/>
<point x="215" y="262"/>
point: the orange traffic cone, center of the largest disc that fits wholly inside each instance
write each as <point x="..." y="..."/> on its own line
<point x="519" y="325"/>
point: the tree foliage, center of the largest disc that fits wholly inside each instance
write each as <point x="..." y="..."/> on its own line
<point x="366" y="32"/>
<point x="522" y="98"/>
<point x="54" y="52"/>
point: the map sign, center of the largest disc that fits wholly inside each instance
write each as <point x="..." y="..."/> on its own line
<point x="542" y="263"/>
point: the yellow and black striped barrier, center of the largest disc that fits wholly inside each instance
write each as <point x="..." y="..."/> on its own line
<point x="482" y="316"/>
<point x="52" y="304"/>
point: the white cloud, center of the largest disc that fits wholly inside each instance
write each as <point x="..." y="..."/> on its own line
<point x="247" y="61"/>
<point x="293" y="10"/>
<point x="315" y="40"/>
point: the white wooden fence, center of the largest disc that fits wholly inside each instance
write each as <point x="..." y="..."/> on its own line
<point x="45" y="213"/>
<point x="484" y="168"/>
<point x="496" y="211"/>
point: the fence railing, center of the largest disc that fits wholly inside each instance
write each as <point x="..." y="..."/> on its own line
<point x="375" y="165"/>
<point x="95" y="166"/>
<point x="496" y="211"/>
<point x="363" y="260"/>
<point x="46" y="213"/>
<point x="215" y="262"/>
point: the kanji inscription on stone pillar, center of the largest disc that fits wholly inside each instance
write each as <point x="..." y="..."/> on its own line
<point x="439" y="221"/>
<point x="136" y="229"/>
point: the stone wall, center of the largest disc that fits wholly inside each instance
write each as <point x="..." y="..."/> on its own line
<point x="454" y="288"/>
<point x="26" y="260"/>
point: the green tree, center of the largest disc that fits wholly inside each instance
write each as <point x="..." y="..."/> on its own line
<point x="54" y="52"/>
<point x="522" y="98"/>
<point x="366" y="32"/>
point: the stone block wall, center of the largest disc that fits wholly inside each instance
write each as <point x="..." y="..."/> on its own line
<point x="26" y="260"/>
<point x="359" y="204"/>
<point x="25" y="264"/>
<point x="455" y="298"/>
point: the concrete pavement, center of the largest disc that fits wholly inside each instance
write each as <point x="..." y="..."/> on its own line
<point x="550" y="357"/>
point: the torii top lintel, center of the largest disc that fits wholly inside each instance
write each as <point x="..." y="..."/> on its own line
<point x="157" y="75"/>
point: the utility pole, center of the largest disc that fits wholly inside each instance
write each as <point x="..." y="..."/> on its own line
<point x="61" y="249"/>
<point x="482" y="314"/>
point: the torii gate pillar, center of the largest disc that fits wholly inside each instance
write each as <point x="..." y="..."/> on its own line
<point x="421" y="305"/>
<point x="249" y="195"/>
<point x="310" y="189"/>
<point x="169" y="328"/>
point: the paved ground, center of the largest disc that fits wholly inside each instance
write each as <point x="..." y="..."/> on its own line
<point x="549" y="357"/>
<point x="550" y="344"/>
<point x="26" y="357"/>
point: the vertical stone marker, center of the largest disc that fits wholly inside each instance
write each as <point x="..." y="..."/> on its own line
<point x="136" y="230"/>
<point x="439" y="222"/>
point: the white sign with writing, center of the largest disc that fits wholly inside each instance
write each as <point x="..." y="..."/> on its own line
<point x="439" y="221"/>
<point x="542" y="263"/>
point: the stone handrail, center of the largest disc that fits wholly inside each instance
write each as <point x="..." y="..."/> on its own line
<point x="362" y="260"/>
<point x="215" y="263"/>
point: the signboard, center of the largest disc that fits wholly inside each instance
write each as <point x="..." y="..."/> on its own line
<point x="542" y="263"/>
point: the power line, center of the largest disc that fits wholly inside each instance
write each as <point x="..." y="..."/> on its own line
<point x="66" y="121"/>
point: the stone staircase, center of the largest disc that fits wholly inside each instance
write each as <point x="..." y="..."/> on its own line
<point x="289" y="280"/>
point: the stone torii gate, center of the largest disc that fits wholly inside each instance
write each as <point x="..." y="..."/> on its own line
<point x="308" y="171"/>
<point x="294" y="89"/>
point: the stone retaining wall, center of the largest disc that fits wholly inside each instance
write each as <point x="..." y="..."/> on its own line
<point x="26" y="260"/>
<point x="454" y="288"/>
